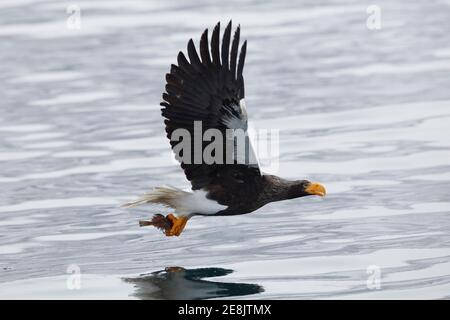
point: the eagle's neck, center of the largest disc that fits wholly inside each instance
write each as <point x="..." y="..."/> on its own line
<point x="277" y="189"/>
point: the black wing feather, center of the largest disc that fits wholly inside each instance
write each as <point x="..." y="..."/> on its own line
<point x="215" y="45"/>
<point x="239" y="76"/>
<point x="226" y="46"/>
<point x="204" y="50"/>
<point x="193" y="56"/>
<point x="234" y="52"/>
<point x="207" y="90"/>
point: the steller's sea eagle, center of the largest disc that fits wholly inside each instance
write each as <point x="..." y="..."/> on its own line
<point x="209" y="89"/>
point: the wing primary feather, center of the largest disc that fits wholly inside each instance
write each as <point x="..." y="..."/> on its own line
<point x="240" y="69"/>
<point x="226" y="45"/>
<point x="204" y="51"/>
<point x="241" y="60"/>
<point x="183" y="64"/>
<point x="193" y="56"/>
<point x="192" y="71"/>
<point x="234" y="52"/>
<point x="202" y="71"/>
<point x="215" y="39"/>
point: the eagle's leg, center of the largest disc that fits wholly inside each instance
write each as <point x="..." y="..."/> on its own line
<point x="178" y="224"/>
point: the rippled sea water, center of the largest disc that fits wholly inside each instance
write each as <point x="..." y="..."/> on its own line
<point x="365" y="112"/>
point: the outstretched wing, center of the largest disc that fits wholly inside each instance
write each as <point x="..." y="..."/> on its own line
<point x="209" y="89"/>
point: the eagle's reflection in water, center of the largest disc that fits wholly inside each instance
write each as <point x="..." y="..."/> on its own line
<point x="176" y="283"/>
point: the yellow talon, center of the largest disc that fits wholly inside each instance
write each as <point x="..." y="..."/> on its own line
<point x="178" y="225"/>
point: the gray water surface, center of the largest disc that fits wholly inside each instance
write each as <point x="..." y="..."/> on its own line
<point x="365" y="112"/>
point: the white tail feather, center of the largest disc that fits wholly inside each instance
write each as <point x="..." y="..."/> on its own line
<point x="167" y="196"/>
<point x="185" y="203"/>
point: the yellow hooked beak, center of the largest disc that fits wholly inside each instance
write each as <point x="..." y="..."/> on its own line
<point x="316" y="189"/>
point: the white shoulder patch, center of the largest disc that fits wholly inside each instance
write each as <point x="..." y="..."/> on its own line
<point x="243" y="109"/>
<point x="236" y="119"/>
